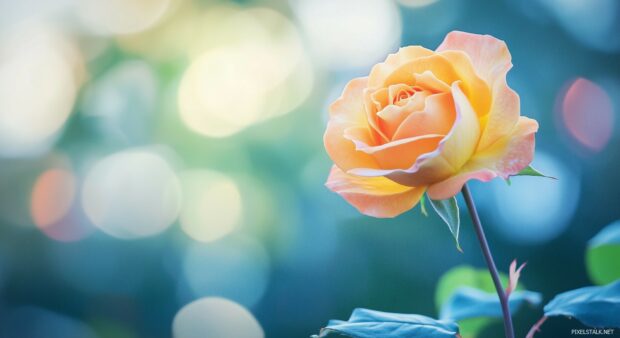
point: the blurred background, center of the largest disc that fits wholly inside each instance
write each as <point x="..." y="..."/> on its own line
<point x="163" y="158"/>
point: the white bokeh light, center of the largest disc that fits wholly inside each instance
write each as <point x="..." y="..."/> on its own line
<point x="417" y="3"/>
<point x="121" y="16"/>
<point x="212" y="205"/>
<point x="40" y="73"/>
<point x="350" y="33"/>
<point x="537" y="209"/>
<point x="215" y="317"/>
<point x="132" y="194"/>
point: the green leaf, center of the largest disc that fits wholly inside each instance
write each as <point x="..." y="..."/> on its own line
<point x="448" y="211"/>
<point x="467" y="276"/>
<point x="423" y="206"/>
<point x="595" y="306"/>
<point x="530" y="171"/>
<point x="602" y="255"/>
<point x="369" y="323"/>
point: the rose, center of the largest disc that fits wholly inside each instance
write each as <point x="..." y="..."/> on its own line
<point x="427" y="121"/>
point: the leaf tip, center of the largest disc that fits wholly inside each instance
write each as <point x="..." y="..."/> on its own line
<point x="458" y="247"/>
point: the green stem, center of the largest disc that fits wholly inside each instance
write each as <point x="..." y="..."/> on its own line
<point x="484" y="245"/>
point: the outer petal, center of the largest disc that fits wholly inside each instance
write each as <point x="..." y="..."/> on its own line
<point x="504" y="114"/>
<point x="374" y="196"/>
<point x="489" y="55"/>
<point x="506" y="157"/>
<point x="436" y="64"/>
<point x="491" y="60"/>
<point x="346" y="112"/>
<point x="474" y="87"/>
<point x="381" y="71"/>
<point x="453" y="151"/>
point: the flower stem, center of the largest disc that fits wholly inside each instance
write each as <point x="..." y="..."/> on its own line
<point x="484" y="245"/>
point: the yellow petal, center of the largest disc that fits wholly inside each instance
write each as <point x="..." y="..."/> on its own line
<point x="427" y="80"/>
<point x="504" y="114"/>
<point x="506" y="157"/>
<point x="492" y="61"/>
<point x="405" y="73"/>
<point x="381" y="71"/>
<point x="475" y="88"/>
<point x="374" y="196"/>
<point x="453" y="151"/>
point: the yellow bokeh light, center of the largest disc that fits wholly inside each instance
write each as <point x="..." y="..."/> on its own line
<point x="212" y="205"/>
<point x="249" y="68"/>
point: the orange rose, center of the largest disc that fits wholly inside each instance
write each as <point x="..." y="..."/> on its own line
<point x="427" y="121"/>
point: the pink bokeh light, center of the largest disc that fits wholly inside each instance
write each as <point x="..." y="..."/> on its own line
<point x="54" y="209"/>
<point x="587" y="113"/>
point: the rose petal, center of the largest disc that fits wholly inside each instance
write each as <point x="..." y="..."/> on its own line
<point x="451" y="154"/>
<point x="404" y="55"/>
<point x="489" y="55"/>
<point x="474" y="87"/>
<point x="374" y="196"/>
<point x="399" y="154"/>
<point x="374" y="101"/>
<point x="394" y="92"/>
<point x="436" y="64"/>
<point x="504" y="114"/>
<point x="346" y="112"/>
<point x="491" y="60"/>
<point x="392" y="116"/>
<point x="506" y="157"/>
<point x="430" y="82"/>
<point x="436" y="118"/>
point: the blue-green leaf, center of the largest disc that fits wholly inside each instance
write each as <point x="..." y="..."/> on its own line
<point x="448" y="211"/>
<point x="602" y="255"/>
<point x="365" y="323"/>
<point x="467" y="302"/>
<point x="530" y="171"/>
<point x="609" y="235"/>
<point x="595" y="306"/>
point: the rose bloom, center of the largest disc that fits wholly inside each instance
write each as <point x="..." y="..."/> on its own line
<point x="427" y="121"/>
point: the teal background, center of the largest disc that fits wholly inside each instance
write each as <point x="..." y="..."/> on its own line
<point x="317" y="257"/>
